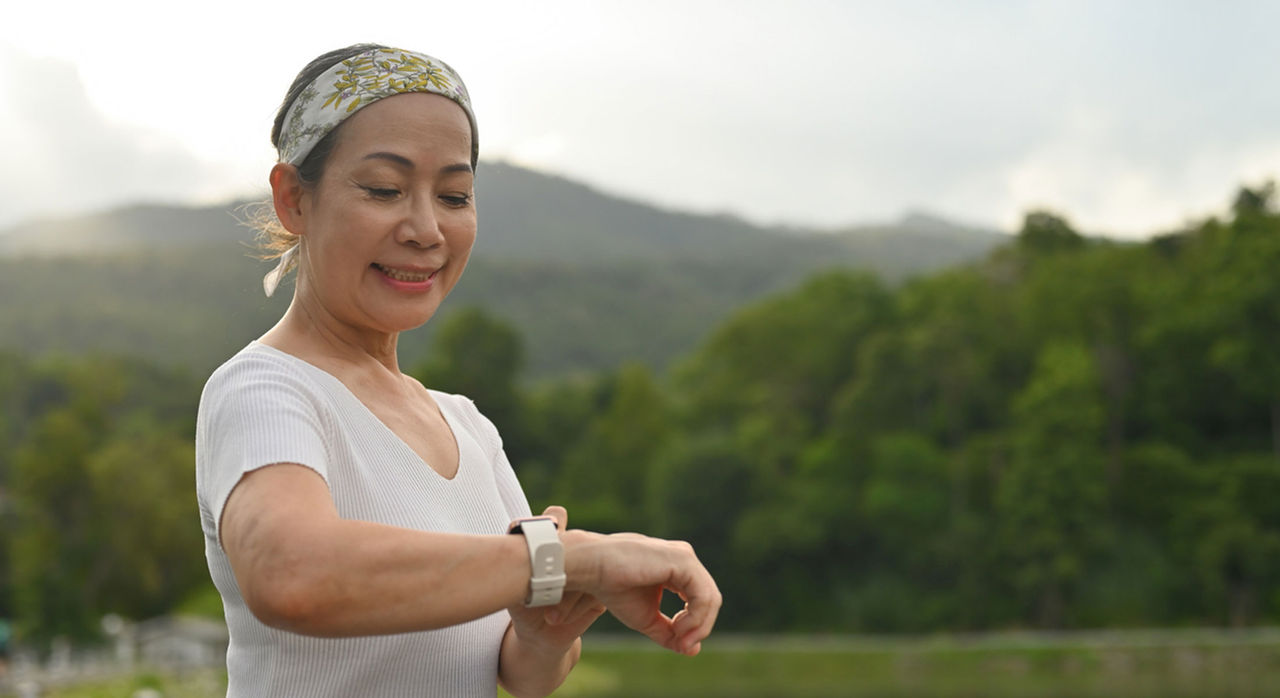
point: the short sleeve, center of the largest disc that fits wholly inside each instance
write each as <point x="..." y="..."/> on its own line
<point x="255" y="411"/>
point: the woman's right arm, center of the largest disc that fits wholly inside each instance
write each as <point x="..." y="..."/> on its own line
<point x="303" y="568"/>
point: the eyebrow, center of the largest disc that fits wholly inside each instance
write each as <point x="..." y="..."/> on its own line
<point x="397" y="159"/>
<point x="408" y="164"/>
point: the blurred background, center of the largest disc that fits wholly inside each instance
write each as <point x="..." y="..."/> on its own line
<point x="946" y="331"/>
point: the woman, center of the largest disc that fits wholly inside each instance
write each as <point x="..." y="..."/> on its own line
<point x="356" y="522"/>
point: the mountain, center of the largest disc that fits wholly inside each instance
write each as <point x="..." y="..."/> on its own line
<point x="127" y="228"/>
<point x="588" y="278"/>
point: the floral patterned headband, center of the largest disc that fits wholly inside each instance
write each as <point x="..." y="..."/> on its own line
<point x="351" y="85"/>
<point x="359" y="81"/>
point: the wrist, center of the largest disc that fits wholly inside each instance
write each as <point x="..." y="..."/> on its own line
<point x="581" y="561"/>
<point x="540" y="646"/>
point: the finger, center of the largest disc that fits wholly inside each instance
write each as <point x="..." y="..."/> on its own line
<point x="560" y="612"/>
<point x="660" y="631"/>
<point x="586" y="605"/>
<point x="688" y="641"/>
<point x="702" y="598"/>
<point x="694" y="623"/>
<point x="560" y="514"/>
<point x="651" y="622"/>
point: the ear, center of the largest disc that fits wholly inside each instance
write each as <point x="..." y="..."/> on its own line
<point x="287" y="193"/>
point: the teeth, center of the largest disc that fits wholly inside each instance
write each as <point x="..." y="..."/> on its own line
<point x="404" y="275"/>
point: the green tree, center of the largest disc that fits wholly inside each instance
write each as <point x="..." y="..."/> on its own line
<point x="147" y="548"/>
<point x="555" y="414"/>
<point x="12" y="389"/>
<point x="1254" y="201"/>
<point x="698" y="490"/>
<point x="945" y="366"/>
<point x="1143" y="577"/>
<point x="478" y="355"/>
<point x="1052" y="498"/>
<point x="603" y="476"/>
<point x="760" y="391"/>
<point x="1045" y="233"/>
<point x="59" y="525"/>
<point x="1237" y="300"/>
<point x="1236" y="536"/>
<point x="907" y="510"/>
<point x="785" y="357"/>
<point x="1093" y="298"/>
<point x="1212" y="378"/>
<point x="51" y="543"/>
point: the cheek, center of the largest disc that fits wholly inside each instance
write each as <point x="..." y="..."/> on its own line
<point x="461" y="234"/>
<point x="465" y="241"/>
<point x="356" y="231"/>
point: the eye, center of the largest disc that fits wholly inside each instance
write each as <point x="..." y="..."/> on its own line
<point x="381" y="193"/>
<point x="456" y="200"/>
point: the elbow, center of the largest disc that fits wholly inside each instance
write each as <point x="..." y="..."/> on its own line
<point x="282" y="605"/>
<point x="280" y="611"/>
<point x="289" y="599"/>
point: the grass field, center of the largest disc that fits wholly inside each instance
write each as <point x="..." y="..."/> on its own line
<point x="1114" y="664"/>
<point x="1188" y="664"/>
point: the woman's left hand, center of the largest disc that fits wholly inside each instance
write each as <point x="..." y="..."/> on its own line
<point x="555" y="628"/>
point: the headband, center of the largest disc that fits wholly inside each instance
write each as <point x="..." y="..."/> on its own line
<point x="349" y="86"/>
<point x="353" y="84"/>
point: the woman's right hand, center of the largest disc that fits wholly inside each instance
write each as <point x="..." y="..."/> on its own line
<point x="628" y="572"/>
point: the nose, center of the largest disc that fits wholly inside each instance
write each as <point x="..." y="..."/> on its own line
<point x="420" y="226"/>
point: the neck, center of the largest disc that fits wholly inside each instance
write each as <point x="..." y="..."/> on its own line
<point x="309" y="331"/>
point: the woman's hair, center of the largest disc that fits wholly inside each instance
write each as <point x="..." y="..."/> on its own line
<point x="273" y="239"/>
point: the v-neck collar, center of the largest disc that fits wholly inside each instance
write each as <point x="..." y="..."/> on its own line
<point x="436" y="396"/>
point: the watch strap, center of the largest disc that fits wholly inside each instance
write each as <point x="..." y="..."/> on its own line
<point x="546" y="560"/>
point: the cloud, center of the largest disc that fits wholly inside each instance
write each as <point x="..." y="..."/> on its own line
<point x="1127" y="173"/>
<point x="1126" y="117"/>
<point x="64" y="157"/>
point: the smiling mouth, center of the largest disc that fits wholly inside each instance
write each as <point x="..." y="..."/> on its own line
<point x="406" y="276"/>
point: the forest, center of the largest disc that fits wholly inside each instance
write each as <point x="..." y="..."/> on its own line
<point x="1069" y="433"/>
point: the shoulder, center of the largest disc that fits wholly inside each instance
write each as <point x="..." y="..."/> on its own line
<point x="452" y="404"/>
<point x="257" y="371"/>
<point x="461" y="407"/>
<point x="260" y="400"/>
<point x="464" y="411"/>
<point x="257" y="362"/>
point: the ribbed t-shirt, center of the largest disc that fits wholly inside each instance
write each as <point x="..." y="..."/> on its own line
<point x="264" y="406"/>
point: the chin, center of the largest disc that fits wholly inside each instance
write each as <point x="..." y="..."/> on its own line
<point x="399" y="314"/>
<point x="409" y="319"/>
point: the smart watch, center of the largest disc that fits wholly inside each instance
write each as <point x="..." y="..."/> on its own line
<point x="546" y="559"/>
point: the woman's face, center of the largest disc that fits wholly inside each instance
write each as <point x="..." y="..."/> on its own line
<point x="389" y="227"/>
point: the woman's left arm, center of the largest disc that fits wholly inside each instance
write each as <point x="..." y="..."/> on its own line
<point x="542" y="645"/>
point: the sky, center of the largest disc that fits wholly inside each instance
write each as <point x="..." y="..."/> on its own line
<point x="1128" y="117"/>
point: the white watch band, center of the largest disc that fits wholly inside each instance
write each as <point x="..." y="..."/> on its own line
<point x="546" y="560"/>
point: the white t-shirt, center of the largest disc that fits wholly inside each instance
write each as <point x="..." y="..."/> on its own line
<point x="264" y="406"/>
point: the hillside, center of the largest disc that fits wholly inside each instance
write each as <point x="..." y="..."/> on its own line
<point x="589" y="279"/>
